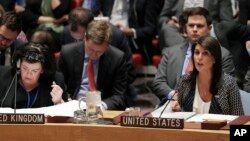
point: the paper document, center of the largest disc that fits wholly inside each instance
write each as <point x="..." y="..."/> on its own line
<point x="189" y="116"/>
<point x="168" y="113"/>
<point x="6" y="110"/>
<point x="203" y="117"/>
<point x="65" y="109"/>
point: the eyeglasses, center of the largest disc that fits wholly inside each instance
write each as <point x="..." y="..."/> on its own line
<point x="8" y="41"/>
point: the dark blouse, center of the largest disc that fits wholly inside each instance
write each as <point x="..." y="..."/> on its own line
<point x="27" y="99"/>
<point x="7" y="91"/>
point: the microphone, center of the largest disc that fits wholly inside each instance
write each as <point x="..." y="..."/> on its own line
<point x="165" y="100"/>
<point x="14" y="80"/>
<point x="16" y="76"/>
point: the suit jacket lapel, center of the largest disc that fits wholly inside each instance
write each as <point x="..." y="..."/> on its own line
<point x="79" y="59"/>
<point x="102" y="68"/>
<point x="78" y="66"/>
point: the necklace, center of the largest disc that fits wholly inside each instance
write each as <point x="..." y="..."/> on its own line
<point x="29" y="97"/>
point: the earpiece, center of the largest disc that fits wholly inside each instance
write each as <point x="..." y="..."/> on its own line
<point x="18" y="64"/>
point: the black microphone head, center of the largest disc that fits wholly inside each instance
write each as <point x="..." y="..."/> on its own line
<point x="16" y="60"/>
<point x="18" y="72"/>
<point x="164" y="100"/>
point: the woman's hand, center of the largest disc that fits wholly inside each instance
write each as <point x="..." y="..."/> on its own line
<point x="175" y="104"/>
<point x="56" y="93"/>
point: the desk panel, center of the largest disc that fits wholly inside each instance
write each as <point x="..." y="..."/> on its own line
<point x="81" y="132"/>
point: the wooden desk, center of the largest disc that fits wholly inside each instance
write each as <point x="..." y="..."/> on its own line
<point x="83" y="132"/>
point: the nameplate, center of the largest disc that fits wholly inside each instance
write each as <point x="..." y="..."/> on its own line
<point x="22" y="118"/>
<point x="152" y="122"/>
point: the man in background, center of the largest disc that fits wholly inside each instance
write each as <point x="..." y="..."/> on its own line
<point x="109" y="73"/>
<point x="195" y="22"/>
<point x="79" y="18"/>
<point x="10" y="27"/>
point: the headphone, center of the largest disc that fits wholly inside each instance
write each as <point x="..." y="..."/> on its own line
<point x="31" y="53"/>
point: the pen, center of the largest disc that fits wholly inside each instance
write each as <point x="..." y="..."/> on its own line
<point x="147" y="113"/>
<point x="215" y="120"/>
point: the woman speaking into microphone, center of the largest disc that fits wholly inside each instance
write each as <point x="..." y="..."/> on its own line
<point x="208" y="89"/>
<point x="36" y="85"/>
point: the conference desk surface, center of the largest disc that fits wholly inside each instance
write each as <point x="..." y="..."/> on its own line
<point x="87" y="132"/>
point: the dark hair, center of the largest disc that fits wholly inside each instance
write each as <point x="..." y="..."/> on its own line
<point x="212" y="45"/>
<point x="47" y="37"/>
<point x="12" y="21"/>
<point x="35" y="52"/>
<point x="183" y="18"/>
<point x="80" y="17"/>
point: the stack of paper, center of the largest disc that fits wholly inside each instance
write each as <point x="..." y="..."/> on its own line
<point x="65" y="109"/>
<point x="168" y="113"/>
<point x="204" y="117"/>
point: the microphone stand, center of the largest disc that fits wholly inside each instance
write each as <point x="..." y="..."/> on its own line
<point x="168" y="101"/>
<point x="16" y="79"/>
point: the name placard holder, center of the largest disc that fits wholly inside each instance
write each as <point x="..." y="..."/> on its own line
<point x="151" y="122"/>
<point x="22" y="118"/>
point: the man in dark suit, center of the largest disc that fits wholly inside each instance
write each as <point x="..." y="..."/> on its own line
<point x="220" y="10"/>
<point x="196" y="23"/>
<point x="109" y="66"/>
<point x="10" y="27"/>
<point x="79" y="18"/>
